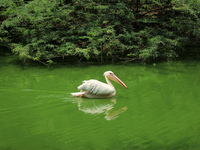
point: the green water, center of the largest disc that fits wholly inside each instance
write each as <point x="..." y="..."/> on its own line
<point x="159" y="110"/>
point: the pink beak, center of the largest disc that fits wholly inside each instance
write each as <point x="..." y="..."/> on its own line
<point x="116" y="79"/>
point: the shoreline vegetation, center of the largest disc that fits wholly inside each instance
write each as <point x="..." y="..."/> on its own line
<point x="48" y="31"/>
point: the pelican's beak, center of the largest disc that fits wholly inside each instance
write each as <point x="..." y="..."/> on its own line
<point x="116" y="79"/>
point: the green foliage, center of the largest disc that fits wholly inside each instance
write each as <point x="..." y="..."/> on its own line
<point x="46" y="29"/>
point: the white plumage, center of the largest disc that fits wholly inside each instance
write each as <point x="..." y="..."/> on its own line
<point x="96" y="87"/>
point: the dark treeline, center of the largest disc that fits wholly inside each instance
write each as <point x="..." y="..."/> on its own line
<point x="43" y="30"/>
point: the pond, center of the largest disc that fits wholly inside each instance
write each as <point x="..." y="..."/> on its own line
<point x="159" y="110"/>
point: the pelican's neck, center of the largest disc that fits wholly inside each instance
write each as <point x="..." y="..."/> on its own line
<point x="109" y="82"/>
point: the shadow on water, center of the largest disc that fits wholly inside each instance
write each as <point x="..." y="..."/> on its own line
<point x="8" y="58"/>
<point x="100" y="106"/>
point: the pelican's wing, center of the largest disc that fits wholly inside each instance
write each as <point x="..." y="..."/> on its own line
<point x="96" y="87"/>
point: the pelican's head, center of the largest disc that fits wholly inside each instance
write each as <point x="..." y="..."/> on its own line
<point x="110" y="75"/>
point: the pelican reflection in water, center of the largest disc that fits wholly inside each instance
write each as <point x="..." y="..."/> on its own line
<point x="96" y="107"/>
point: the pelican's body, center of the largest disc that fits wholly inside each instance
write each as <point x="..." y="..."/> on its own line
<point x="96" y="89"/>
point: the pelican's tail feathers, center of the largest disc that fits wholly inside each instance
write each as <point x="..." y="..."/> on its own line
<point x="78" y="94"/>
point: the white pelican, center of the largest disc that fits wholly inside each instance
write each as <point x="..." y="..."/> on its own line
<point x="96" y="89"/>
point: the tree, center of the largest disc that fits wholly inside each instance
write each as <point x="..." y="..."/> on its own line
<point x="98" y="29"/>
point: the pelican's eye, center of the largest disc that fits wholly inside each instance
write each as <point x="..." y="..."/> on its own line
<point x="111" y="73"/>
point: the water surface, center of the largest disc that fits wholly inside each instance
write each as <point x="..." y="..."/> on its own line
<point x="159" y="110"/>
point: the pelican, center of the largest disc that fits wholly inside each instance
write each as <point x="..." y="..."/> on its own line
<point x="96" y="89"/>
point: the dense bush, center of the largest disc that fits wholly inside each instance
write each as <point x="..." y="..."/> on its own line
<point x="98" y="29"/>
